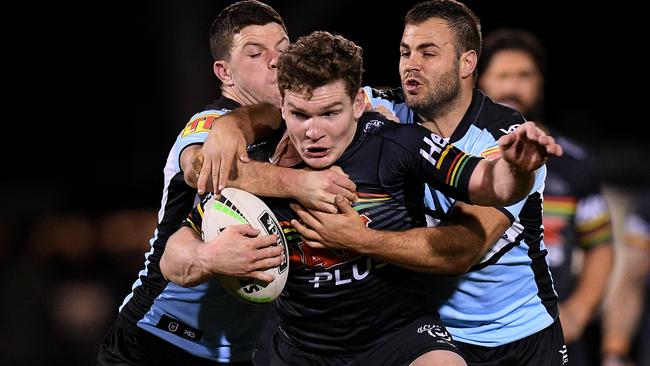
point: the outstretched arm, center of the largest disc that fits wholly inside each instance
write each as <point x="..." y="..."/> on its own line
<point x="510" y="178"/>
<point x="450" y="249"/>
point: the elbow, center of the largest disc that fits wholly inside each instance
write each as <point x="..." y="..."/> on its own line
<point x="170" y="275"/>
<point x="458" y="268"/>
<point x="164" y="268"/>
<point x="448" y="267"/>
<point x="460" y="264"/>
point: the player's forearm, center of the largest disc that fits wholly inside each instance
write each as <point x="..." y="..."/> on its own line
<point x="593" y="281"/>
<point x="265" y="179"/>
<point x="628" y="293"/>
<point x="499" y="183"/>
<point x="620" y="325"/>
<point x="450" y="249"/>
<point x="443" y="250"/>
<point x="180" y="262"/>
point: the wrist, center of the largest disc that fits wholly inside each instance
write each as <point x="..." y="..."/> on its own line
<point x="290" y="183"/>
<point x="199" y="269"/>
<point x="366" y="239"/>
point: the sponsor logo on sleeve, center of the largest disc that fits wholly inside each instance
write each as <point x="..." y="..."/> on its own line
<point x="200" y="123"/>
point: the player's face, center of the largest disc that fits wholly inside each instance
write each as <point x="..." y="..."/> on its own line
<point x="429" y="66"/>
<point x="253" y="63"/>
<point x="512" y="78"/>
<point x="322" y="127"/>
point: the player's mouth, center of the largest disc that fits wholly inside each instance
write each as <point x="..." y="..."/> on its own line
<point x="315" y="152"/>
<point x="412" y="85"/>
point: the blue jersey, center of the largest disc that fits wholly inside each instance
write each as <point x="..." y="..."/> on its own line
<point x="509" y="295"/>
<point x="203" y="320"/>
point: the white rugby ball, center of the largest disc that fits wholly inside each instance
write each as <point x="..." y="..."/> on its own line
<point x="236" y="207"/>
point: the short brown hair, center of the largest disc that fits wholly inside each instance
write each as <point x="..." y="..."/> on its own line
<point x="233" y="19"/>
<point x="319" y="59"/>
<point x="465" y="25"/>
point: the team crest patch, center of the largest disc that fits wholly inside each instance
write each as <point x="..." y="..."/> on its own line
<point x="200" y="123"/>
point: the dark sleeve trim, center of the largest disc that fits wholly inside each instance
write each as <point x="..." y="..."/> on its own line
<point x="507" y="213"/>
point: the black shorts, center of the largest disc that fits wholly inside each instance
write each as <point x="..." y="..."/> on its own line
<point x="127" y="344"/>
<point x="398" y="348"/>
<point x="544" y="348"/>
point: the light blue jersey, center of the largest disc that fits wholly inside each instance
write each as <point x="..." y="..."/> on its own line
<point x="509" y="295"/>
<point x="203" y="320"/>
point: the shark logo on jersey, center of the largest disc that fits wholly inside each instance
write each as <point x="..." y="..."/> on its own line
<point x="510" y="128"/>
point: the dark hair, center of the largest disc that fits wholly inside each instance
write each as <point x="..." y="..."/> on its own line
<point x="513" y="39"/>
<point x="318" y="59"/>
<point x="232" y="19"/>
<point x="465" y="25"/>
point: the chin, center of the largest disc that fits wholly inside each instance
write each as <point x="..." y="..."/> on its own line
<point x="318" y="163"/>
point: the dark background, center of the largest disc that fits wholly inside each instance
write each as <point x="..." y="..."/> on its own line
<point x="140" y="71"/>
<point x="104" y="89"/>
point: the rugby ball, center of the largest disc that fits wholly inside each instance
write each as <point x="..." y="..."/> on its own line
<point x="236" y="207"/>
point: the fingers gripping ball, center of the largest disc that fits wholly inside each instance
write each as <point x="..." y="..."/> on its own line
<point x="236" y="207"/>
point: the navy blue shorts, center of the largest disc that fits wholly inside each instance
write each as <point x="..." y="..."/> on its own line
<point x="544" y="348"/>
<point x="398" y="348"/>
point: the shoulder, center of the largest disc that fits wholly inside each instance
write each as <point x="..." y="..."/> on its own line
<point x="202" y="121"/>
<point x="375" y="124"/>
<point x="393" y="95"/>
<point x="498" y="119"/>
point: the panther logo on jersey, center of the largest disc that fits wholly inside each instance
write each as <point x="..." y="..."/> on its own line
<point x="321" y="258"/>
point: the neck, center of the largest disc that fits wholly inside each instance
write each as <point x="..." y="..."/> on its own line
<point x="445" y="120"/>
<point x="237" y="95"/>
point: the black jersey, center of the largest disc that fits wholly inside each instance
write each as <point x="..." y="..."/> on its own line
<point x="575" y="212"/>
<point x="340" y="302"/>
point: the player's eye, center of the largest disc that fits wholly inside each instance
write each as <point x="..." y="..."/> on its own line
<point x="299" y="115"/>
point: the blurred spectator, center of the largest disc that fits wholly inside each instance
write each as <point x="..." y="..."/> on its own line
<point x="62" y="284"/>
<point x="576" y="217"/>
<point x="626" y="328"/>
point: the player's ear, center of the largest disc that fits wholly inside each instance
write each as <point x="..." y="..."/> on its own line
<point x="222" y="71"/>
<point x="359" y="103"/>
<point x="468" y="62"/>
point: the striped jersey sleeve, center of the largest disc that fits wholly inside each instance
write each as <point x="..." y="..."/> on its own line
<point x="196" y="131"/>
